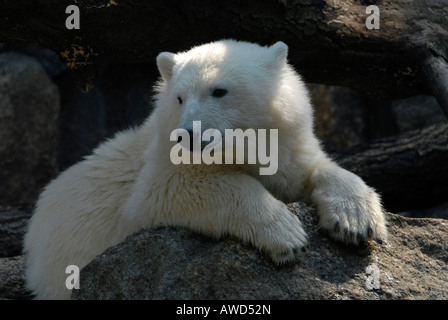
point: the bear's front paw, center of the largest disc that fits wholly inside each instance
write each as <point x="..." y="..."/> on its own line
<point x="283" y="239"/>
<point x="352" y="212"/>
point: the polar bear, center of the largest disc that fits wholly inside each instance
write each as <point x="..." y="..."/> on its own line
<point x="130" y="182"/>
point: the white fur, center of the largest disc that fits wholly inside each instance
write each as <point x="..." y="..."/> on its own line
<point x="129" y="182"/>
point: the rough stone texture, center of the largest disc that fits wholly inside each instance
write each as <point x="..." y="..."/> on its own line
<point x="12" y="278"/>
<point x="13" y="225"/>
<point x="29" y="109"/>
<point x="170" y="263"/>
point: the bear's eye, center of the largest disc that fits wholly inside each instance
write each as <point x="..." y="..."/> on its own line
<point x="179" y="99"/>
<point x="218" y="93"/>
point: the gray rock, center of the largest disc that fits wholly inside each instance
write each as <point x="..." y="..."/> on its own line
<point x="29" y="135"/>
<point x="13" y="226"/>
<point x="173" y="263"/>
<point x="48" y="59"/>
<point x="417" y="112"/>
<point x="12" y="278"/>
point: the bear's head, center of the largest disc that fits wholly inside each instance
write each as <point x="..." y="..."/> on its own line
<point x="232" y="84"/>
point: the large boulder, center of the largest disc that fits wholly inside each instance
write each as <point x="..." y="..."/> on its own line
<point x="12" y="278"/>
<point x="13" y="226"/>
<point x="29" y="128"/>
<point x="174" y="263"/>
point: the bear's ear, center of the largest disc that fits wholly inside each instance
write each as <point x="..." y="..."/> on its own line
<point x="279" y="51"/>
<point x="165" y="64"/>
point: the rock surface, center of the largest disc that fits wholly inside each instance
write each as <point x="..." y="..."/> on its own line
<point x="173" y="263"/>
<point x="29" y="128"/>
<point x="12" y="278"/>
<point x="13" y="225"/>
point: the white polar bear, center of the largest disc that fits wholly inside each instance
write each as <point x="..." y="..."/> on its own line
<point x="129" y="182"/>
